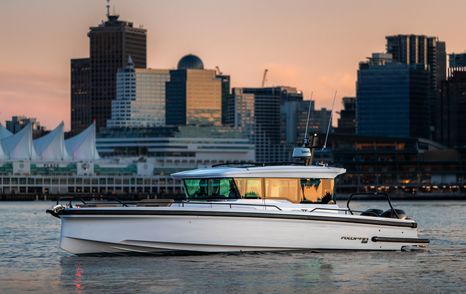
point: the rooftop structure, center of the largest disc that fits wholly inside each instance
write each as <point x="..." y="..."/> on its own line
<point x="49" y="148"/>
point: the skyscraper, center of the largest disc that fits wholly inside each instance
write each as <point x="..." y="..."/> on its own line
<point x="111" y="43"/>
<point x="81" y="116"/>
<point x="140" y="97"/>
<point x="258" y="111"/>
<point x="453" y="103"/>
<point x="193" y="94"/>
<point x="429" y="53"/>
<point x="391" y="98"/>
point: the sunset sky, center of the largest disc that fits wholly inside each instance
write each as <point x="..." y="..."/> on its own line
<point x="312" y="45"/>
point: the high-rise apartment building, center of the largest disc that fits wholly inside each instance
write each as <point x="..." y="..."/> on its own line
<point x="429" y="53"/>
<point x="111" y="43"/>
<point x="258" y="111"/>
<point x="140" y="97"/>
<point x="391" y="98"/>
<point x="453" y="103"/>
<point x="193" y="94"/>
<point x="81" y="116"/>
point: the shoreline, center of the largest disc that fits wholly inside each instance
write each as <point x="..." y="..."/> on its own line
<point x="339" y="197"/>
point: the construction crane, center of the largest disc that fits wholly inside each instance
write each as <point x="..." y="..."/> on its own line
<point x="218" y="70"/>
<point x="264" y="77"/>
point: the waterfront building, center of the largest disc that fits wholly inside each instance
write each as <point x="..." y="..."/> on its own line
<point x="430" y="53"/>
<point x="402" y="166"/>
<point x="193" y="94"/>
<point x="172" y="149"/>
<point x="453" y="103"/>
<point x="130" y="162"/>
<point x="347" y="120"/>
<point x="391" y="98"/>
<point x="140" y="97"/>
<point x="93" y="79"/>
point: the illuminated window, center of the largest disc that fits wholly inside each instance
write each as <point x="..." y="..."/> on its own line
<point x="282" y="189"/>
<point x="316" y="190"/>
<point x="249" y="188"/>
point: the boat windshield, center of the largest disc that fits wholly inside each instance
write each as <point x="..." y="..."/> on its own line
<point x="305" y="190"/>
<point x="221" y="188"/>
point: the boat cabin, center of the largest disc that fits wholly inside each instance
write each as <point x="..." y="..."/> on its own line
<point x="297" y="184"/>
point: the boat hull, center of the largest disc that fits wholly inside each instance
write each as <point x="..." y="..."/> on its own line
<point x="158" y="231"/>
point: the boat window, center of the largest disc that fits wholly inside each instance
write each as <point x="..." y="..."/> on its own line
<point x="249" y="188"/>
<point x="287" y="189"/>
<point x="210" y="188"/>
<point x="317" y="190"/>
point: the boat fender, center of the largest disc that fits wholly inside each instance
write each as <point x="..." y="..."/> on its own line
<point x="55" y="211"/>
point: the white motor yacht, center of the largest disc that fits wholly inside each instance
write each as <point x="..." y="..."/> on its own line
<point x="238" y="208"/>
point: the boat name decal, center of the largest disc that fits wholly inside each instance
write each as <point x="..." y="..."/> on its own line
<point x="362" y="239"/>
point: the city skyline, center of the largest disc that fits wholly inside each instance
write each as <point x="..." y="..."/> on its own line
<point x="314" y="46"/>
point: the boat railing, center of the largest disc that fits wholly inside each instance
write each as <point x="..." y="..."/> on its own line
<point x="345" y="210"/>
<point x="92" y="200"/>
<point x="383" y="194"/>
<point x="229" y="204"/>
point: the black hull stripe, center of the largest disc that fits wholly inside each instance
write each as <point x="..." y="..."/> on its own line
<point x="400" y="240"/>
<point x="97" y="212"/>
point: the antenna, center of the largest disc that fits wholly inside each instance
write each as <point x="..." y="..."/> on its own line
<point x="108" y="8"/>
<point x="307" y="150"/>
<point x="329" y="122"/>
<point x="306" y="140"/>
<point x="264" y="78"/>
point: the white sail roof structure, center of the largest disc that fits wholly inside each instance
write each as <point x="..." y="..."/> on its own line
<point x="82" y="147"/>
<point x="51" y="147"/>
<point x="20" y="145"/>
<point x="3" y="155"/>
<point x="4" y="132"/>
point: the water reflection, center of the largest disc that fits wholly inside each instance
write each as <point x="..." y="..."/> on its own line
<point x="274" y="272"/>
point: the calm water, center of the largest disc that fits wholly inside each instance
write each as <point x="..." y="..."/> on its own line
<point x="30" y="260"/>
